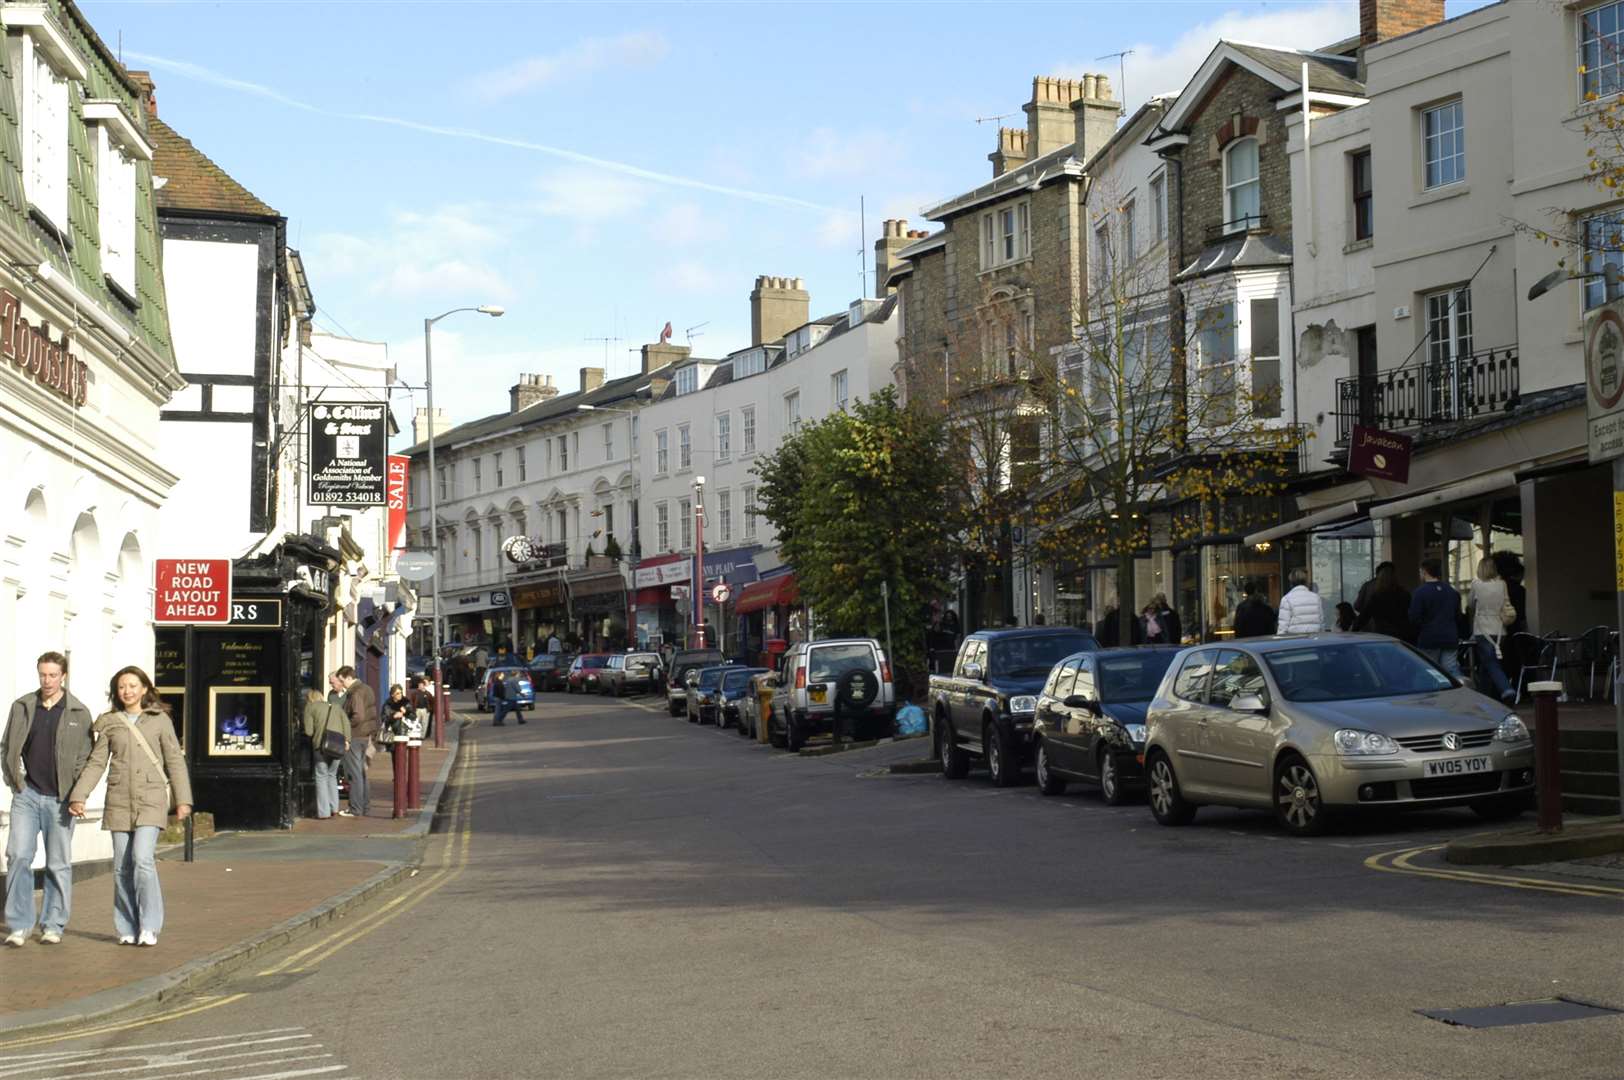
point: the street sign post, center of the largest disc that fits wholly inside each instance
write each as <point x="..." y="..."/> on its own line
<point x="1604" y="423"/>
<point x="191" y="592"/>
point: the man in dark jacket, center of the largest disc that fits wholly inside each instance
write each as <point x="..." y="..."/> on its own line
<point x="361" y="705"/>
<point x="45" y="746"/>
<point x="1254" y="616"/>
<point x="1435" y="612"/>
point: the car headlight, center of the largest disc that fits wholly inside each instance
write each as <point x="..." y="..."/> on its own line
<point x="1023" y="703"/>
<point x="1354" y="741"/>
<point x="1512" y="730"/>
<point x="1136" y="732"/>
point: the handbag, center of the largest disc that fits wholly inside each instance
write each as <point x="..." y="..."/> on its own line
<point x="1508" y="612"/>
<point x="333" y="744"/>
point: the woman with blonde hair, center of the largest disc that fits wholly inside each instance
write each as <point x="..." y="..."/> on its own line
<point x="137" y="739"/>
<point x="1489" y="605"/>
<point x="320" y="718"/>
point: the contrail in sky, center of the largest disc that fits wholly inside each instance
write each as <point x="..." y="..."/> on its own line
<point x="215" y="78"/>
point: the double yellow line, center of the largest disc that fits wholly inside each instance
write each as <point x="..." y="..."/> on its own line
<point x="1402" y="861"/>
<point x="453" y="861"/>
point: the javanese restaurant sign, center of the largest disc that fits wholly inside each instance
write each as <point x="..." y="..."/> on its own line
<point x="1378" y="453"/>
<point x="29" y="349"/>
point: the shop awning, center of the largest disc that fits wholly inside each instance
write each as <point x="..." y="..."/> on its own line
<point x="1465" y="489"/>
<point x="773" y="592"/>
<point x="1331" y="515"/>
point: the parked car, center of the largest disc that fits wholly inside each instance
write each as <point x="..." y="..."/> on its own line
<point x="676" y="686"/>
<point x="736" y="689"/>
<point x="1310" y="726"/>
<point x="550" y="671"/>
<point x="703" y="690"/>
<point x="520" y="690"/>
<point x="627" y="673"/>
<point x="987" y="707"/>
<point x="1090" y="720"/>
<point x="584" y="672"/>
<point x="416" y="665"/>
<point x="818" y="678"/>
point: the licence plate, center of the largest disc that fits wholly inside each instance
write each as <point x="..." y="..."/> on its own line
<point x="818" y="694"/>
<point x="1462" y="766"/>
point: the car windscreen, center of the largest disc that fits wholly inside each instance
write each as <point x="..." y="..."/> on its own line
<point x="710" y="677"/>
<point x="1035" y="656"/>
<point x="738" y="680"/>
<point x="1351" y="671"/>
<point x="829" y="662"/>
<point x="594" y="661"/>
<point x="1132" y="676"/>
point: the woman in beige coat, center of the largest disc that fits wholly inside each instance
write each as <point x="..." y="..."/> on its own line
<point x="137" y="742"/>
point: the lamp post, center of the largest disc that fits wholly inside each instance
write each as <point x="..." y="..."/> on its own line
<point x="441" y="705"/>
<point x="699" y="561"/>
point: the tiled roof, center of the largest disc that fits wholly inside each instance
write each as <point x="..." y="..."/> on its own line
<point x="1333" y="75"/>
<point x="194" y="181"/>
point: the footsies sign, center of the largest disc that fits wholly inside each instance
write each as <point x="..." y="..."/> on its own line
<point x="349" y="442"/>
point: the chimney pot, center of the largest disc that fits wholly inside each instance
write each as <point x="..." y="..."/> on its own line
<point x="591" y="379"/>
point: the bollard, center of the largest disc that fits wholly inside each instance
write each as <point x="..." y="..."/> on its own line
<point x="442" y="708"/>
<point x="400" y="778"/>
<point x="413" y="788"/>
<point x="189" y="838"/>
<point x="1547" y="756"/>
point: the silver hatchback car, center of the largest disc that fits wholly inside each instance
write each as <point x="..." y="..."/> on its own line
<point x="1312" y="724"/>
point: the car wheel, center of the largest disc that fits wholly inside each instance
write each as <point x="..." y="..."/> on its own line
<point x="1002" y="762"/>
<point x="1297" y="801"/>
<point x="775" y="738"/>
<point x="955" y="762"/>
<point x="1048" y="782"/>
<point x="794" y="734"/>
<point x="1500" y="808"/>
<point x="1167" y="803"/>
<point x="620" y="689"/>
<point x="746" y="731"/>
<point x="1110" y="780"/>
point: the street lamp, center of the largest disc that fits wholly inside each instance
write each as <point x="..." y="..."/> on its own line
<point x="441" y="705"/>
<point x="699" y="560"/>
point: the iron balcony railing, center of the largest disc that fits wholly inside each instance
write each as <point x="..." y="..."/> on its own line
<point x="1437" y="392"/>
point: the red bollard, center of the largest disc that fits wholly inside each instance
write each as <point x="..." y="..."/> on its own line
<point x="400" y="778"/>
<point x="442" y="709"/>
<point x="1547" y="755"/>
<point x="414" y="799"/>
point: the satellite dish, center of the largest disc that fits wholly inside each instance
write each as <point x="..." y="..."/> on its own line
<point x="415" y="566"/>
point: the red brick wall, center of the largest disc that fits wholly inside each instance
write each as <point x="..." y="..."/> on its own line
<point x="1383" y="19"/>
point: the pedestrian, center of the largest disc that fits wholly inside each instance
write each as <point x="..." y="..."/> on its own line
<point x="1386" y="608"/>
<point x="1039" y="620"/>
<point x="147" y="776"/>
<point x="1301" y="611"/>
<point x="498" y="695"/>
<point x="320" y="717"/>
<point x="399" y="714"/>
<point x="1361" y="601"/>
<point x="48" y="739"/>
<point x="1435" y="614"/>
<point x="361" y="705"/>
<point x="423" y="697"/>
<point x="335" y="690"/>
<point x="1491" y="612"/>
<point x="1345" y="616"/>
<point x="1254" y="616"/>
<point x="1107" y="628"/>
<point x="554" y="646"/>
<point x="1159" y="613"/>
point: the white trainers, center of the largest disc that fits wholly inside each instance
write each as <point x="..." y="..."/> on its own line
<point x="126" y="940"/>
<point x="51" y="937"/>
<point x="17" y="940"/>
<point x="147" y="938"/>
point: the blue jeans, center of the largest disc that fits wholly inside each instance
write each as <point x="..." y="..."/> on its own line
<point x="1489" y="669"/>
<point x="326" y="785"/>
<point x="31" y="815"/>
<point x="501" y="709"/>
<point x="138" y="903"/>
<point x="1446" y="658"/>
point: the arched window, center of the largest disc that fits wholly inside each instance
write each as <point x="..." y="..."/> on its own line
<point x="1243" y="199"/>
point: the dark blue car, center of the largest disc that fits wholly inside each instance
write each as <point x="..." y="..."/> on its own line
<point x="730" y="695"/>
<point x="1090" y="723"/>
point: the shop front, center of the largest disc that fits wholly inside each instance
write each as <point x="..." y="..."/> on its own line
<point x="770" y="610"/>
<point x="540" y="610"/>
<point x="655" y="616"/>
<point x="736" y="568"/>
<point x="598" y="607"/>
<point x="481" y="617"/>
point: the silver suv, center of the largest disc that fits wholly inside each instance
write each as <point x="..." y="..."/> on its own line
<point x="820" y="681"/>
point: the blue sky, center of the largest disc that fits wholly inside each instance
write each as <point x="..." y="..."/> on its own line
<point x="599" y="169"/>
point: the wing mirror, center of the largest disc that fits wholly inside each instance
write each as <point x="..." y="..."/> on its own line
<point x="973" y="672"/>
<point x="1078" y="701"/>
<point x="1251" y="703"/>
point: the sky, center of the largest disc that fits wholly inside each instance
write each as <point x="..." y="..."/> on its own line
<point x="601" y="169"/>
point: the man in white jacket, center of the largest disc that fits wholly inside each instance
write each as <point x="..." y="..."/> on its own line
<point x="1301" y="611"/>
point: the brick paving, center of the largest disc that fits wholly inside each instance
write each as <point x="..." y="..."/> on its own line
<point x="381" y="780"/>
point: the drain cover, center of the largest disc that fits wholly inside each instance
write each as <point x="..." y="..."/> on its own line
<point x="1543" y="1011"/>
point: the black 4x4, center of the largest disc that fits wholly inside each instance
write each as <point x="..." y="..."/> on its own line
<point x="676" y="690"/>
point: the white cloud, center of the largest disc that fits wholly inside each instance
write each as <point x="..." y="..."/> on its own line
<point x="584" y="195"/>
<point x="685" y="223"/>
<point x="1165" y="69"/>
<point x="419" y="253"/>
<point x="830" y="153"/>
<point x="642" y="49"/>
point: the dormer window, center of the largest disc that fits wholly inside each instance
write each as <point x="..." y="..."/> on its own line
<point x="42" y="65"/>
<point x="1243" y="197"/>
<point x="119" y="146"/>
<point x="687" y="380"/>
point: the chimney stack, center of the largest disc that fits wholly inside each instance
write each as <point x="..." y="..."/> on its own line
<point x="658" y="356"/>
<point x="1049" y="123"/>
<point x="1383" y="19"/>
<point x="894" y="236"/>
<point x="420" y="424"/>
<point x="531" y="390"/>
<point x="149" y="93"/>
<point x="777" y="306"/>
<point x="1011" y="152"/>
<point x="1094" y="116"/>
<point x="591" y="379"/>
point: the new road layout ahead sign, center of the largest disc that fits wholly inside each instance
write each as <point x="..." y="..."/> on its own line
<point x="191" y="591"/>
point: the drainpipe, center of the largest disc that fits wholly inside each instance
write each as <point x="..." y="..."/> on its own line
<point x="1308" y="170"/>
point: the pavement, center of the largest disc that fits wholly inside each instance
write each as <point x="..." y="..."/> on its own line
<point x="613" y="892"/>
<point x="243" y="893"/>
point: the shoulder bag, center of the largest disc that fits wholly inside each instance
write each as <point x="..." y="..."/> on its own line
<point x="146" y="748"/>
<point x="334" y="743"/>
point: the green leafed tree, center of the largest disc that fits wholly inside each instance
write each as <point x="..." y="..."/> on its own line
<point x="860" y="498"/>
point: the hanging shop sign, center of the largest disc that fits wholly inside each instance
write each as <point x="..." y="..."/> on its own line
<point x="1604" y="382"/>
<point x="191" y="591"/>
<point x="31" y="351"/>
<point x="398" y="464"/>
<point x="1381" y="454"/>
<point x="648" y="577"/>
<point x="349" y="442"/>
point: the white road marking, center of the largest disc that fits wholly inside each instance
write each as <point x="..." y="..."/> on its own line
<point x="220" y="1056"/>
